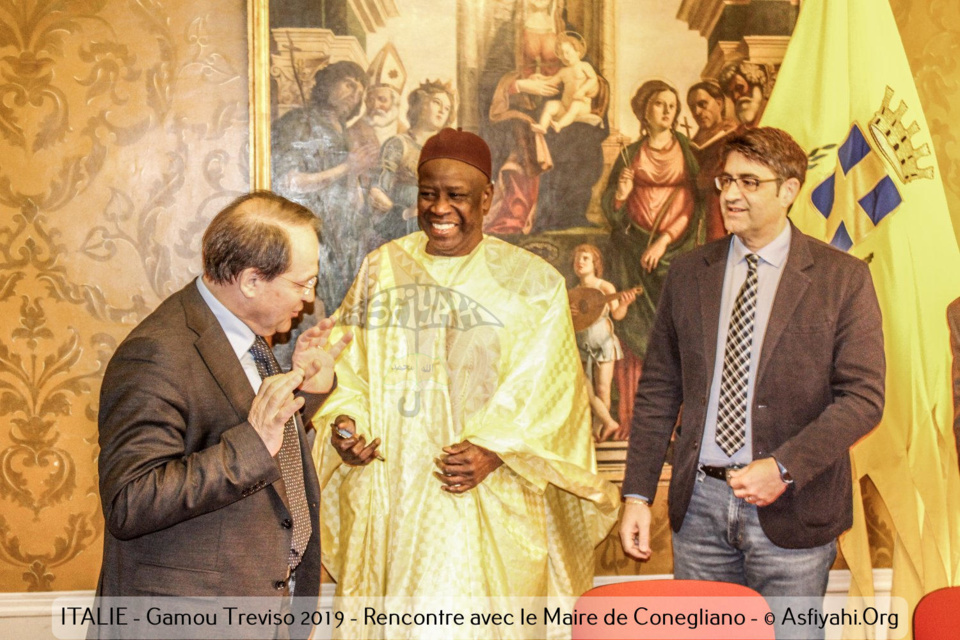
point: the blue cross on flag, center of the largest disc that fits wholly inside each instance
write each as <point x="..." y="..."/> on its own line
<point x="865" y="192"/>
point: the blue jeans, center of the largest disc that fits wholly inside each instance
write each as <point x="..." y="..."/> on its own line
<point x="721" y="540"/>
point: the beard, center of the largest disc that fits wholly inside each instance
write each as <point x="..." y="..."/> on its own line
<point x="380" y="119"/>
<point x="749" y="108"/>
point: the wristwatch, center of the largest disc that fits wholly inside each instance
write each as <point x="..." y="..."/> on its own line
<point x="784" y="474"/>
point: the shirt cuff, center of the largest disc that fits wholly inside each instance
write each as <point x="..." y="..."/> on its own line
<point x="784" y="474"/>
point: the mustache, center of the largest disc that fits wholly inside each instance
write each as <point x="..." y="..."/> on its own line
<point x="381" y="113"/>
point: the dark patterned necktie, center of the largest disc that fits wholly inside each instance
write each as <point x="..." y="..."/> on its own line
<point x="732" y="408"/>
<point x="291" y="464"/>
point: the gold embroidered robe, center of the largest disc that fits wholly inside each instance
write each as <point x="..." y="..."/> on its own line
<point x="478" y="348"/>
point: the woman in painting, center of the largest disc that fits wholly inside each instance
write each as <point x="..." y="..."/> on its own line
<point x="655" y="212"/>
<point x="432" y="106"/>
<point x="544" y="179"/>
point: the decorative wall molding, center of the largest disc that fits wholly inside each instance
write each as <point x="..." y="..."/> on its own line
<point x="765" y="49"/>
<point x="373" y="14"/>
<point x="723" y="54"/>
<point x="703" y="15"/>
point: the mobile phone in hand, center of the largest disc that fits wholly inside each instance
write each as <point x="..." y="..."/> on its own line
<point x="343" y="433"/>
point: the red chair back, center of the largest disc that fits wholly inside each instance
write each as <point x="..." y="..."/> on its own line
<point x="937" y="616"/>
<point x="643" y="606"/>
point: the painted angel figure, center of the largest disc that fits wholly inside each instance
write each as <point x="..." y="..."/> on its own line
<point x="599" y="347"/>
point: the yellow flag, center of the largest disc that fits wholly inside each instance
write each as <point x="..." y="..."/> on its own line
<point x="873" y="188"/>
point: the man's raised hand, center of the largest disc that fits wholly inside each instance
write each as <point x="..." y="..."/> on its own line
<point x="316" y="359"/>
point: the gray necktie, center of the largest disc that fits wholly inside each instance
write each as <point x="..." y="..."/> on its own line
<point x="732" y="408"/>
<point x="291" y="464"/>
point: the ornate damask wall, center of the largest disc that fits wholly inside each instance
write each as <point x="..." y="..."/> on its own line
<point x="123" y="129"/>
<point x="931" y="36"/>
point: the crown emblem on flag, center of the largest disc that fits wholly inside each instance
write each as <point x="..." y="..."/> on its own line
<point x="862" y="191"/>
<point x="894" y="142"/>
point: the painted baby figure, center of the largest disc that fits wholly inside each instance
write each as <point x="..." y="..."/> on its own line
<point x="580" y="86"/>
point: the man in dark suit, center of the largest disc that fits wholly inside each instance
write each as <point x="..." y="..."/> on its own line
<point x="206" y="480"/>
<point x="771" y="341"/>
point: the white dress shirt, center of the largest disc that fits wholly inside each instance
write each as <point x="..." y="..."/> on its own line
<point x="239" y="335"/>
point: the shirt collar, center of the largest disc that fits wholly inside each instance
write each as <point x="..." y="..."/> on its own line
<point x="239" y="335"/>
<point x="774" y="253"/>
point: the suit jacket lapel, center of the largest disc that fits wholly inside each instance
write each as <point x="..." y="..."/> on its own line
<point x="710" y="289"/>
<point x="793" y="284"/>
<point x="217" y="354"/>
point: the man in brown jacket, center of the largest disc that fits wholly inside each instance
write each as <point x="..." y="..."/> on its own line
<point x="771" y="341"/>
<point x="206" y="479"/>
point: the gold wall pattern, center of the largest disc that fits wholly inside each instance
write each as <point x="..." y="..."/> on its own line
<point x="930" y="30"/>
<point x="123" y="129"/>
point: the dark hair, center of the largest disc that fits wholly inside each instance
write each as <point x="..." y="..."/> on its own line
<point x="328" y="76"/>
<point x="710" y="86"/>
<point x="252" y="232"/>
<point x="644" y="94"/>
<point x="419" y="96"/>
<point x="773" y="148"/>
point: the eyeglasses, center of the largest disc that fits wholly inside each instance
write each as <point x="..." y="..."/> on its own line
<point x="748" y="184"/>
<point x="307" y="286"/>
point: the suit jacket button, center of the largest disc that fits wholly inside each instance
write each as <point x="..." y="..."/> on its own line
<point x="287" y="523"/>
<point x="279" y="585"/>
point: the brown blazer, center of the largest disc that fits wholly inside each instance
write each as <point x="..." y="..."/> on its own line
<point x="192" y="499"/>
<point x="818" y="390"/>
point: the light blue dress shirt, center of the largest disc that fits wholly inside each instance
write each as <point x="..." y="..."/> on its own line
<point x="773" y="257"/>
<point x="239" y="335"/>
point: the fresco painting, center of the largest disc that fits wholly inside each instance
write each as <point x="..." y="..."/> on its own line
<point x="604" y="117"/>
